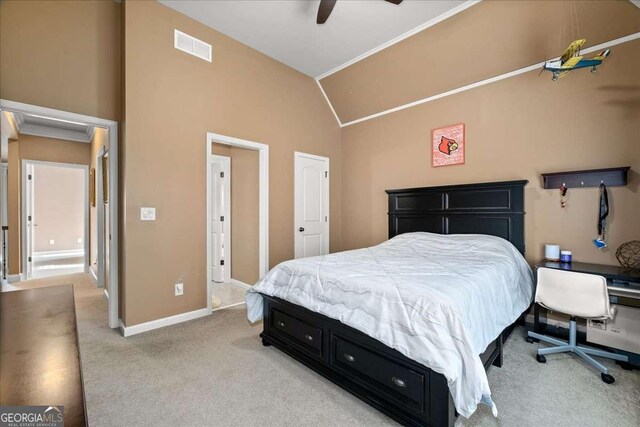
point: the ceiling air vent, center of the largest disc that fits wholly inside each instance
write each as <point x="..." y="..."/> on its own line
<point x="191" y="45"/>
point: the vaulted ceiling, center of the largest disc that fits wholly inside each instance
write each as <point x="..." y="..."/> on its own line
<point x="372" y="57"/>
<point x="487" y="40"/>
<point x="287" y="31"/>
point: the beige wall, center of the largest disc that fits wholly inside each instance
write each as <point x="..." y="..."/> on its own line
<point x="172" y="100"/>
<point x="62" y="54"/>
<point x="29" y="147"/>
<point x="245" y="205"/>
<point x="515" y="129"/>
<point x="73" y="62"/>
<point x="488" y="39"/>
<point x="59" y="206"/>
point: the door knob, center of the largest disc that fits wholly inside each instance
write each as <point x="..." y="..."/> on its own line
<point x="301" y="229"/>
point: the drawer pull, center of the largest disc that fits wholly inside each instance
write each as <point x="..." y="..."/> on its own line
<point x="399" y="382"/>
<point x="349" y="357"/>
<point x="281" y="323"/>
<point x="308" y="337"/>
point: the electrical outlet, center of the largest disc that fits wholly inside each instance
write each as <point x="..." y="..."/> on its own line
<point x="179" y="289"/>
<point x="52" y="242"/>
<point x="79" y="239"/>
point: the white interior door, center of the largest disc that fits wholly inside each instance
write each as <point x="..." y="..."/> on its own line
<point x="221" y="219"/>
<point x="311" y="205"/>
<point x="29" y="218"/>
<point x="3" y="218"/>
<point x="101" y="209"/>
<point x="106" y="232"/>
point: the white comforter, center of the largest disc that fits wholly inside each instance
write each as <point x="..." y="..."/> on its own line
<point x="439" y="300"/>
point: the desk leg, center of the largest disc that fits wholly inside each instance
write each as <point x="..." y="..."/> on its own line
<point x="536" y="323"/>
<point x="536" y="319"/>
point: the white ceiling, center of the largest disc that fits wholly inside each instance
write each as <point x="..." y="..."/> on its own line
<point x="287" y="31"/>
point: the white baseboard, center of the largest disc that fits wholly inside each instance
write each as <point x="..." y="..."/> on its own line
<point x="13" y="278"/>
<point x="57" y="255"/>
<point x="94" y="276"/>
<point x="224" y="307"/>
<point x="240" y="284"/>
<point x="6" y="287"/>
<point x="127" y="331"/>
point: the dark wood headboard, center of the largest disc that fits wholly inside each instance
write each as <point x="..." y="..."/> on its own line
<point x="494" y="208"/>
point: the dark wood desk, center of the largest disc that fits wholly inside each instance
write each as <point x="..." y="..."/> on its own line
<point x="619" y="277"/>
<point x="39" y="357"/>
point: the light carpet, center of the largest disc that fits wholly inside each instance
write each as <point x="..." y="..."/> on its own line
<point x="215" y="371"/>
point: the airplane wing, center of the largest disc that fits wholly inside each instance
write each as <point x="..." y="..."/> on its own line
<point x="573" y="48"/>
<point x="562" y="74"/>
<point x="572" y="62"/>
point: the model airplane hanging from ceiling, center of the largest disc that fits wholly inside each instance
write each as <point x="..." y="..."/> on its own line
<point x="572" y="60"/>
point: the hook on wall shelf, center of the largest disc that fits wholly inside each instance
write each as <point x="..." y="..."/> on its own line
<point x="586" y="178"/>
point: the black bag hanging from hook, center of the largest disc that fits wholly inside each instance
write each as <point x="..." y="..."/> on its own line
<point x="603" y="212"/>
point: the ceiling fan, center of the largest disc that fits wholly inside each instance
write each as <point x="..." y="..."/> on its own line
<point x="326" y="6"/>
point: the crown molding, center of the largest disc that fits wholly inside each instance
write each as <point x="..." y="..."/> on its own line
<point x="448" y="14"/>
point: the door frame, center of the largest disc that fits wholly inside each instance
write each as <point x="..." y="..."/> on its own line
<point x="297" y="155"/>
<point x="100" y="235"/>
<point x="112" y="127"/>
<point x="263" y="200"/>
<point x="25" y="205"/>
<point x="4" y="191"/>
<point x="227" y="216"/>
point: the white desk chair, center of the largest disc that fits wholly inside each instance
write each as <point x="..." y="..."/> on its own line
<point x="578" y="295"/>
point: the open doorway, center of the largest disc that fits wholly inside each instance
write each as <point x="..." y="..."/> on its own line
<point x="55" y="218"/>
<point x="237" y="205"/>
<point x="51" y="160"/>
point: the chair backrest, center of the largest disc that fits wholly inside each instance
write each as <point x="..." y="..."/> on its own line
<point x="576" y="294"/>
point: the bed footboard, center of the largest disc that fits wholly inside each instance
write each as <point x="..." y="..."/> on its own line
<point x="401" y="388"/>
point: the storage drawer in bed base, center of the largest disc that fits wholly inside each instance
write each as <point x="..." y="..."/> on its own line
<point x="401" y="388"/>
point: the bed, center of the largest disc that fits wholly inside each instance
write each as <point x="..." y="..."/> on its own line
<point x="370" y="325"/>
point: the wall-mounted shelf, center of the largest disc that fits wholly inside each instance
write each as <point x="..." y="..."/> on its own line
<point x="587" y="178"/>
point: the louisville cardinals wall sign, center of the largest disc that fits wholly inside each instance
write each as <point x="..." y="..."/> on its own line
<point x="447" y="145"/>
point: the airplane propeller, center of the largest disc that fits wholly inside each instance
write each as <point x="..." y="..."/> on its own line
<point x="543" y="65"/>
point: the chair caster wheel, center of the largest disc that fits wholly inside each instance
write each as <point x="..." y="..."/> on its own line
<point x="607" y="378"/>
<point x="531" y="340"/>
<point x="540" y="358"/>
<point x="625" y="365"/>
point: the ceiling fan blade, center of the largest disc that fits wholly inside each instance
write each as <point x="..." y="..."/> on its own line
<point x="396" y="2"/>
<point x="324" y="10"/>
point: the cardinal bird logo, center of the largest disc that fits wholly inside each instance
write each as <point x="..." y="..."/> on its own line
<point x="447" y="145"/>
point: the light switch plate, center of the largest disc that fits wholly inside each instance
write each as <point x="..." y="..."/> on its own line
<point x="147" y="214"/>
